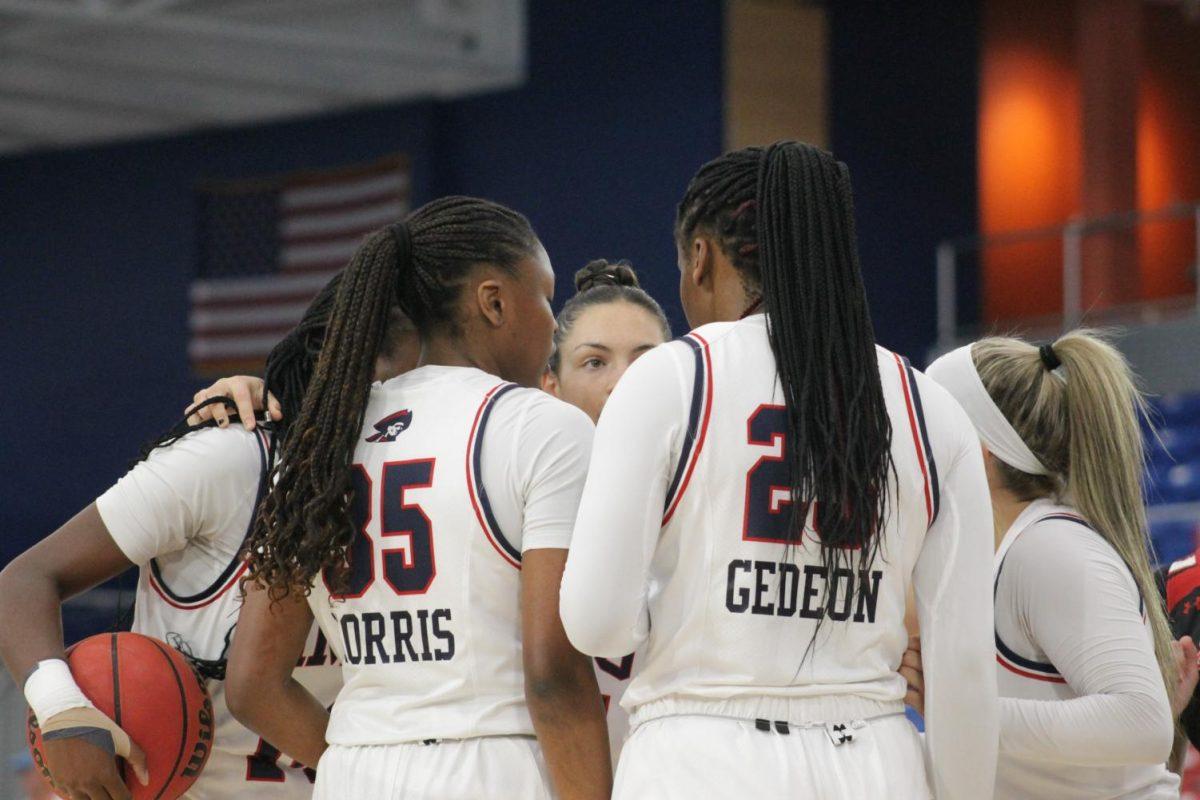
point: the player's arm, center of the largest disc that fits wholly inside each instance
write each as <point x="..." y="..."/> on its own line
<point x="79" y="555"/>
<point x="1074" y="597"/>
<point x="259" y="688"/>
<point x="953" y="595"/>
<point x="552" y="443"/>
<point x="560" y="686"/>
<point x="620" y="515"/>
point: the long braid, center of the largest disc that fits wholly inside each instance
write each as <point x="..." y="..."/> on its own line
<point x="304" y="524"/>
<point x="785" y="218"/>
<point x="291" y="362"/>
<point x="288" y="369"/>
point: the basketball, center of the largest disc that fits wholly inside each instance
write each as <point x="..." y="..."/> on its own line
<point x="151" y="691"/>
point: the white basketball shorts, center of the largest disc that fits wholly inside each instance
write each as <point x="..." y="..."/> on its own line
<point x="690" y="756"/>
<point x="463" y="769"/>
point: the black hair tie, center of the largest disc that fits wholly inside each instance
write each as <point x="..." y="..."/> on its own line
<point x="1049" y="357"/>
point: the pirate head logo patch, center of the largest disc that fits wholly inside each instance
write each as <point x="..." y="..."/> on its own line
<point x="391" y="426"/>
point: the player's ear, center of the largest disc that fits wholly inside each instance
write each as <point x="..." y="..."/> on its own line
<point x="700" y="268"/>
<point x="489" y="297"/>
<point x="550" y="382"/>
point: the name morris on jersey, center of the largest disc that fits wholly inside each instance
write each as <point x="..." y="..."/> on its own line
<point x="400" y="636"/>
<point x="770" y="588"/>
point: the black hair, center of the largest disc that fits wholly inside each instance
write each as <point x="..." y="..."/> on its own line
<point x="598" y="283"/>
<point x="420" y="264"/>
<point x="784" y="217"/>
<point x="288" y="370"/>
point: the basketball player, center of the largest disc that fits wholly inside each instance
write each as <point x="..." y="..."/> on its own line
<point x="1082" y="642"/>
<point x="1181" y="581"/>
<point x="181" y="516"/>
<point x="760" y="496"/>
<point x="427" y="519"/>
<point x="601" y="330"/>
<point x="609" y="323"/>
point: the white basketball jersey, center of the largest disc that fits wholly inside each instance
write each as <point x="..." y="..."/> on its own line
<point x="1071" y="625"/>
<point x="684" y="530"/>
<point x="729" y="616"/>
<point x="456" y="473"/>
<point x="182" y="515"/>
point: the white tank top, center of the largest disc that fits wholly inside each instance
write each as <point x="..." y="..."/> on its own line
<point x="182" y="515"/>
<point x="729" y="620"/>
<point x="455" y="475"/>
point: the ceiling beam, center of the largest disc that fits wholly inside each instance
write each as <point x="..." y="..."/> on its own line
<point x="53" y="123"/>
<point x="334" y="79"/>
<point x="17" y="140"/>
<point x="122" y="87"/>
<point x="410" y="50"/>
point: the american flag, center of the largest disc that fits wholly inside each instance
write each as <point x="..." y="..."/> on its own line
<point x="266" y="247"/>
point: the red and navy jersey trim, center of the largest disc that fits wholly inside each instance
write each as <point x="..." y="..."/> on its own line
<point x="236" y="567"/>
<point x="697" y="429"/>
<point x="1029" y="668"/>
<point x="1018" y="664"/>
<point x="920" y="434"/>
<point x="1025" y="667"/>
<point x="479" y="496"/>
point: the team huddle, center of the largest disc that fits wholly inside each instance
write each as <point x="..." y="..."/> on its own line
<point x="452" y="546"/>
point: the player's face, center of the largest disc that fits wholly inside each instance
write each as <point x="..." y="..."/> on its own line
<point x="530" y="335"/>
<point x="603" y="342"/>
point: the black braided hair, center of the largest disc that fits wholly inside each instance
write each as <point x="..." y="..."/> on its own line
<point x="598" y="283"/>
<point x="421" y="264"/>
<point x="784" y="217"/>
<point x="291" y="362"/>
<point x="288" y="370"/>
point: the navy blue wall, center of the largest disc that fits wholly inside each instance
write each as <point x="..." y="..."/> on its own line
<point x="903" y="115"/>
<point x="622" y="104"/>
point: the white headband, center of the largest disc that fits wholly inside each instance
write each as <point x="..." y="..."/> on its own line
<point x="956" y="372"/>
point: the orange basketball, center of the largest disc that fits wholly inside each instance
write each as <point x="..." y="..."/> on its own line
<point x="151" y="691"/>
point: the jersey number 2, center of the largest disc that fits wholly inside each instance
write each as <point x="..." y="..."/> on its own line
<point x="409" y="567"/>
<point x="768" y="483"/>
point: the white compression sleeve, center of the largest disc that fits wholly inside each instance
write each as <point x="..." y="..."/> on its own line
<point x="621" y="512"/>
<point x="953" y="588"/>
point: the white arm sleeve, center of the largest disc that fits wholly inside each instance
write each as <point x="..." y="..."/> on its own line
<point x="195" y="487"/>
<point x="603" y="596"/>
<point x="953" y="587"/>
<point x="553" y="443"/>
<point x="1076" y="599"/>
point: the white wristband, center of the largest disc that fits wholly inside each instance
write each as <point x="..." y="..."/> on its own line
<point x="51" y="689"/>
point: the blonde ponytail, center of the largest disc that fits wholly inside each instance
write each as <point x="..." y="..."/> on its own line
<point x="1081" y="421"/>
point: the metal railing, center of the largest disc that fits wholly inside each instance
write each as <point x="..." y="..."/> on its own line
<point x="1071" y="236"/>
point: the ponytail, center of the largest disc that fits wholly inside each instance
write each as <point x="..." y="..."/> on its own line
<point x="1081" y="420"/>
<point x="304" y="524"/>
<point x="308" y="502"/>
<point x="785" y="218"/>
<point x="839" y="432"/>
